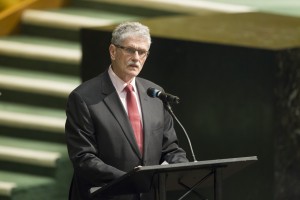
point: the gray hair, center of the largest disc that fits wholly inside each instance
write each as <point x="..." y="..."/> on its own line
<point x="127" y="29"/>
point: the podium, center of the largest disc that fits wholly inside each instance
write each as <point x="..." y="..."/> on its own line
<point x="181" y="176"/>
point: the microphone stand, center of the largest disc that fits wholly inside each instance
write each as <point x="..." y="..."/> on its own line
<point x="169" y="109"/>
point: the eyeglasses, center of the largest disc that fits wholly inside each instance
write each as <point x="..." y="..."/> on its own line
<point x="131" y="51"/>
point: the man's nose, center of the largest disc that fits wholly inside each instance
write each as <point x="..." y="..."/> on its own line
<point x="136" y="55"/>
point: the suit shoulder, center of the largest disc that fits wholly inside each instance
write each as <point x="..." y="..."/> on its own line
<point x="88" y="85"/>
<point x="89" y="91"/>
<point x="148" y="83"/>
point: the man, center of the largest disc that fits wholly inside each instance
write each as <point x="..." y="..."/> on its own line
<point x="112" y="125"/>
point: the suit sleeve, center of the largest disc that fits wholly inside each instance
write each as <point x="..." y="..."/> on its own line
<point x="82" y="145"/>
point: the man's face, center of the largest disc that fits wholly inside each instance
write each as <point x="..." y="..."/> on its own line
<point x="129" y="57"/>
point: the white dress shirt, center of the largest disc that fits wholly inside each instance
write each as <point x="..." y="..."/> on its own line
<point x="119" y="84"/>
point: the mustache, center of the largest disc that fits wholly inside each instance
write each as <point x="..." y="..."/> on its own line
<point x="137" y="64"/>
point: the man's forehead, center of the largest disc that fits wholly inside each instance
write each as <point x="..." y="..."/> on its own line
<point x="140" y="42"/>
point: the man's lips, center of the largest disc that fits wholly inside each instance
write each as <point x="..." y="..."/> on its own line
<point x="133" y="65"/>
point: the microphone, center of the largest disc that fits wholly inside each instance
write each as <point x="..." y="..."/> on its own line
<point x="165" y="97"/>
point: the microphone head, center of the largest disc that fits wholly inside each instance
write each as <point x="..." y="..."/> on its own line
<point x="165" y="97"/>
<point x="152" y="92"/>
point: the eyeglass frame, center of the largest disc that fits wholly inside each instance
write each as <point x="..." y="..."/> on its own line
<point x="131" y="51"/>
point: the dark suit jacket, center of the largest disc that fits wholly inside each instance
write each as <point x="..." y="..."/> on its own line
<point x="100" y="139"/>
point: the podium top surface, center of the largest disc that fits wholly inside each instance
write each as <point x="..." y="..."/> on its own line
<point x="140" y="179"/>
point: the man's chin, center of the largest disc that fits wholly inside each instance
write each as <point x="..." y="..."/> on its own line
<point x="134" y="72"/>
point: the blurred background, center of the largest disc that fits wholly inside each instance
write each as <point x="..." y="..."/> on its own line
<point x="234" y="64"/>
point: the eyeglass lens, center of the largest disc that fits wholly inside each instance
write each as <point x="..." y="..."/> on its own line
<point x="131" y="51"/>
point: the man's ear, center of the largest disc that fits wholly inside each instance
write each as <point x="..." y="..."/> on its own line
<point x="112" y="51"/>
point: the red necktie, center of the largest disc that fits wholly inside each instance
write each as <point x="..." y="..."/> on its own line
<point x="134" y="116"/>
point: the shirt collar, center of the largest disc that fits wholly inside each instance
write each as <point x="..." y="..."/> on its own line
<point x="118" y="83"/>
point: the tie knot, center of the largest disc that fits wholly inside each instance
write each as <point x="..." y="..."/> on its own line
<point x="129" y="88"/>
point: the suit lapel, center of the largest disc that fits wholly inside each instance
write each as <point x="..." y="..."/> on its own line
<point x="114" y="103"/>
<point x="147" y="114"/>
